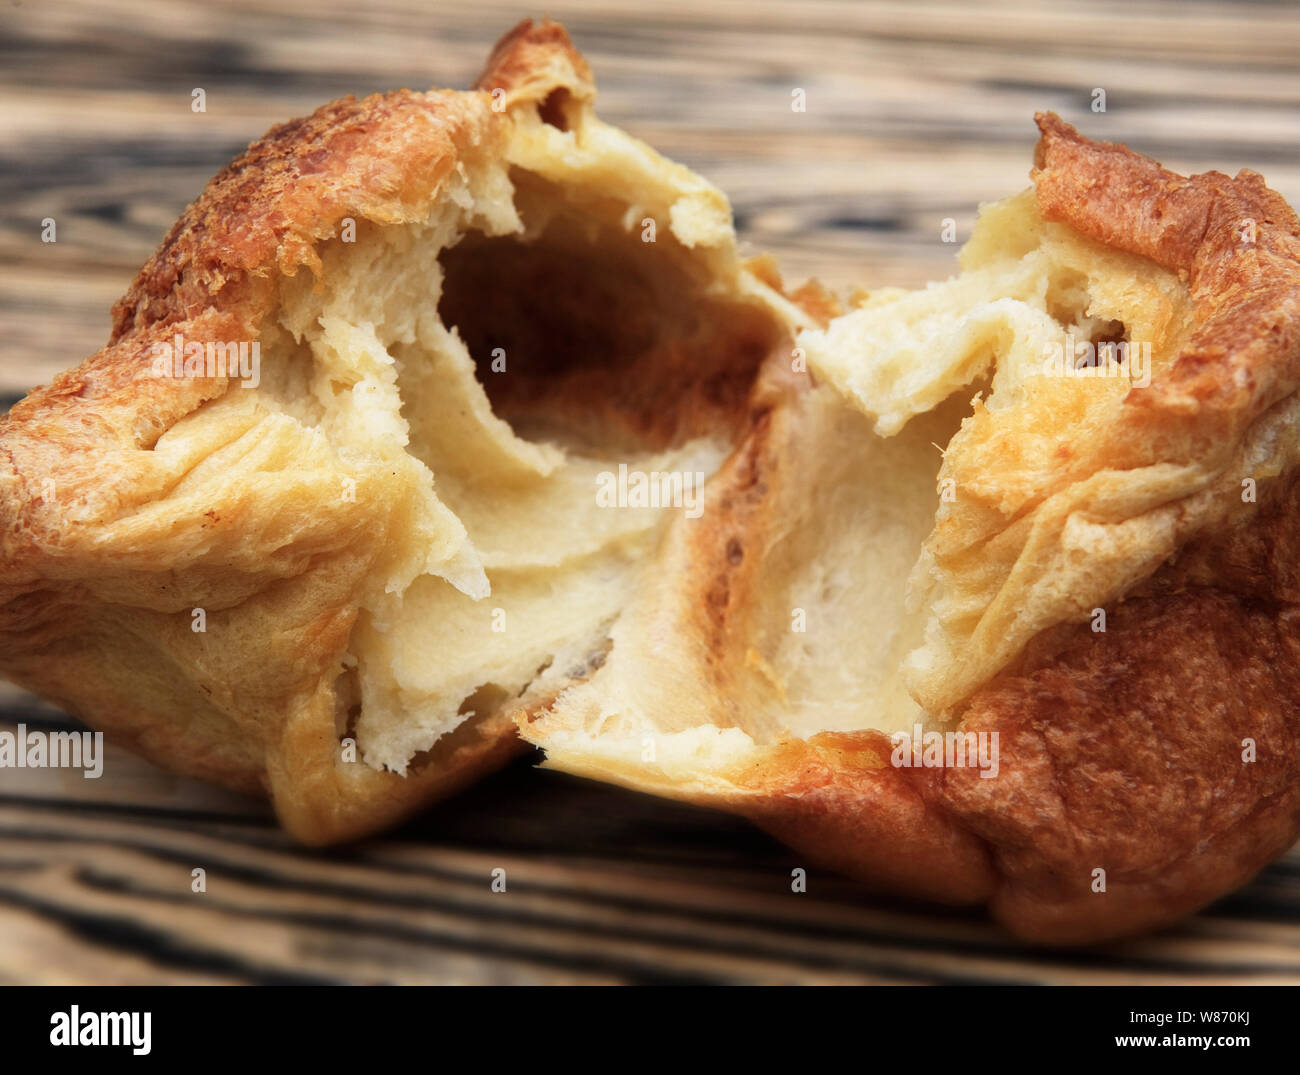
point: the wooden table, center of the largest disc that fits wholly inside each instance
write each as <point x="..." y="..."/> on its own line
<point x="916" y="112"/>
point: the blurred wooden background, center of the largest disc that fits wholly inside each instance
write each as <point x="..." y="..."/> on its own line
<point x="915" y="112"/>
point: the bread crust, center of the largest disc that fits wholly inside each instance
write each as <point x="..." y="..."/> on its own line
<point x="1237" y="244"/>
<point x="1164" y="750"/>
<point x="93" y="609"/>
<point x="1145" y="770"/>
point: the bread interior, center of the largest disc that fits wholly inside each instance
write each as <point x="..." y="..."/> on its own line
<point x="896" y="516"/>
<point x="574" y="304"/>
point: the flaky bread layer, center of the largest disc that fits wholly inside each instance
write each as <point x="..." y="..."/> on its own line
<point x="1147" y="758"/>
<point x="337" y="576"/>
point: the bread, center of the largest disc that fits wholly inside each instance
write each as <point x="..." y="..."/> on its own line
<point x="336" y="577"/>
<point x="952" y="613"/>
<point x="980" y="629"/>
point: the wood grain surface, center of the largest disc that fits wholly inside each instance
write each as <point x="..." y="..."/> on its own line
<point x="915" y="112"/>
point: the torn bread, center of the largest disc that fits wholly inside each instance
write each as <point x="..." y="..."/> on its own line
<point x="995" y="605"/>
<point x="321" y="518"/>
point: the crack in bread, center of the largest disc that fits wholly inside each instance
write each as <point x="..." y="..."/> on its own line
<point x="782" y="659"/>
<point x="387" y="542"/>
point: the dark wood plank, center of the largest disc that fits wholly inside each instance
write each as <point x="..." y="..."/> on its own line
<point x="602" y="886"/>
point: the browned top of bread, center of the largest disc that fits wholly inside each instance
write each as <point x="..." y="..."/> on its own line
<point x="1235" y="241"/>
<point x="96" y="586"/>
<point x="382" y="158"/>
<point x="216" y="274"/>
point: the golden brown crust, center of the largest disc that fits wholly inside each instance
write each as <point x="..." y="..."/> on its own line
<point x="86" y="616"/>
<point x="1084" y="487"/>
<point x="1122" y="751"/>
<point x="535" y="59"/>
<point x="1236" y="242"/>
<point x="1165" y="750"/>
<point x="382" y="159"/>
<point x="837" y="797"/>
<point x="1127" y="793"/>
